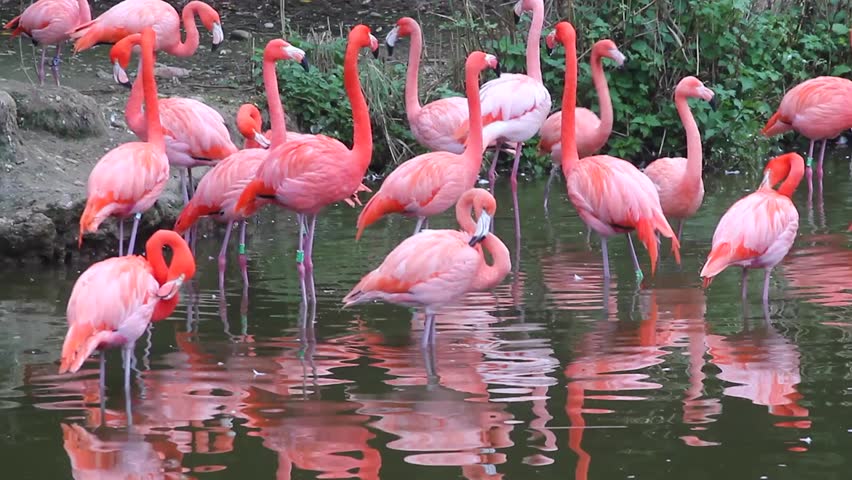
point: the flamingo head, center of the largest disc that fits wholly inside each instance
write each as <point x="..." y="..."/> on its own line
<point x="779" y="168"/>
<point x="550" y="42"/>
<point x="484" y="207"/>
<point x="406" y="26"/>
<point x="524" y="6"/>
<point x="693" y="88"/>
<point x="210" y="19"/>
<point x="361" y="37"/>
<point x="119" y="56"/>
<point x="564" y="33"/>
<point x="250" y="124"/>
<point x="607" y="48"/>
<point x="280" y="50"/>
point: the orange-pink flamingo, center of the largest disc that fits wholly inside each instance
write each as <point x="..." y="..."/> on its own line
<point x="678" y="179"/>
<point x="219" y="190"/>
<point x="195" y="134"/>
<point x="47" y="22"/>
<point x="436" y="267"/>
<point x="819" y="109"/>
<point x="431" y="183"/>
<point x="250" y="126"/>
<point x="114" y="301"/>
<point x="315" y="171"/>
<point x="592" y="132"/>
<point x="610" y="195"/>
<point x="759" y="229"/>
<point x="129" y="178"/>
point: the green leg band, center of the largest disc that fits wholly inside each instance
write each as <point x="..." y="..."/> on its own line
<point x="300" y="256"/>
<point x="810" y="162"/>
<point x="242" y="249"/>
<point x="639" y="276"/>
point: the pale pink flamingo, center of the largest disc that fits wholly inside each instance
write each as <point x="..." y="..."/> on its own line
<point x="315" y="171"/>
<point x="515" y="106"/>
<point x="759" y="229"/>
<point x="592" y="132"/>
<point x="129" y="178"/>
<point x="819" y="109"/>
<point x="114" y="301"/>
<point x="678" y="180"/>
<point x="132" y="16"/>
<point x="219" y="190"/>
<point x="195" y="134"/>
<point x="431" y="183"/>
<point x="436" y="267"/>
<point x="433" y="125"/>
<point x="47" y="23"/>
<point x="610" y="195"/>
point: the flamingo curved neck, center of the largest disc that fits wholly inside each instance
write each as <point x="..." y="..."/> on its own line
<point x="276" y="108"/>
<point x="154" y="130"/>
<point x="412" y="92"/>
<point x="133" y="114"/>
<point x="488" y="276"/>
<point x="187" y="48"/>
<point x="604" y="101"/>
<point x="85" y="11"/>
<point x="533" y="41"/>
<point x="693" y="143"/>
<point x="570" y="157"/>
<point x="797" y="170"/>
<point x="362" y="144"/>
<point x="474" y="147"/>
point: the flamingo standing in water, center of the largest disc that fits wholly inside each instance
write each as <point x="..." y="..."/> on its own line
<point x="129" y="178"/>
<point x="314" y="171"/>
<point x="592" y="132"/>
<point x="819" y="109"/>
<point x="678" y="180"/>
<point x="759" y="229"/>
<point x="219" y="190"/>
<point x="610" y="195"/>
<point x="436" y="267"/>
<point x="431" y="183"/>
<point x="47" y="22"/>
<point x="114" y="301"/>
<point x="195" y="134"/>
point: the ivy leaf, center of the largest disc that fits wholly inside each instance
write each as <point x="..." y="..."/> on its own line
<point x="839" y="70"/>
<point x="839" y="29"/>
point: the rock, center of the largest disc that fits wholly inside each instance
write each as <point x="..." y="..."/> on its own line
<point x="164" y="71"/>
<point x="8" y="127"/>
<point x="27" y="236"/>
<point x="268" y="25"/>
<point x="240" y="35"/>
<point x="61" y="111"/>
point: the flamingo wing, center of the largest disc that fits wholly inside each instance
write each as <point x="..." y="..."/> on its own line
<point x="126" y="18"/>
<point x="199" y="130"/>
<point x="48" y="21"/>
<point x="434" y="127"/>
<point x="220" y="188"/>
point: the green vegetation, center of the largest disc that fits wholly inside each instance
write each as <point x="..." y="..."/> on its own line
<point x="748" y="52"/>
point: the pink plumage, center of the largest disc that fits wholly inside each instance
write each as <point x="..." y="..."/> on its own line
<point x="48" y="22"/>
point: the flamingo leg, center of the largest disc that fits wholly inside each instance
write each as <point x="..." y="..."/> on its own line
<point x="419" y="225"/>
<point x="300" y="257"/>
<point x="426" y="223"/>
<point x="40" y="66"/>
<point x="102" y="380"/>
<point x="819" y="164"/>
<point x="554" y="172"/>
<point x="680" y="230"/>
<point x="223" y="255"/>
<point x="185" y="192"/>
<point x="745" y="283"/>
<point x="516" y="206"/>
<point x="126" y="353"/>
<point x="636" y="267"/>
<point x="54" y="63"/>
<point x="133" y="233"/>
<point x="766" y="276"/>
<point x="605" y="258"/>
<point x="189" y="186"/>
<point x="120" y="237"/>
<point x="809" y="172"/>
<point x="515" y="165"/>
<point x="309" y="250"/>
<point x="428" y="329"/>
<point x="492" y="171"/>
<point x="242" y="253"/>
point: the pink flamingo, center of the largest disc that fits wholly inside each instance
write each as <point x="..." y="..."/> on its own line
<point x="132" y="16"/>
<point x="592" y="132"/>
<point x="515" y="106"/>
<point x="129" y="178"/>
<point x="759" y="229"/>
<point x="610" y="195"/>
<point x="195" y="134"/>
<point x="678" y="179"/>
<point x="47" y="22"/>
<point x="114" y="301"/>
<point x="819" y="109"/>
<point x="219" y="190"/>
<point x="431" y="183"/>
<point x="434" y="125"/>
<point x="308" y="174"/>
<point x="436" y="267"/>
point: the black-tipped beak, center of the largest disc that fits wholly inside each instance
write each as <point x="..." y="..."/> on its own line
<point x="517" y="18"/>
<point x="390" y="50"/>
<point x="497" y="69"/>
<point x="623" y="63"/>
<point x="549" y="50"/>
<point x="127" y="85"/>
<point x="304" y="63"/>
<point x="714" y="104"/>
<point x="376" y="53"/>
<point x="475" y="240"/>
<point x="215" y="47"/>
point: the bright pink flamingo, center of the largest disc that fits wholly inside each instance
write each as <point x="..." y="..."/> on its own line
<point x="47" y="23"/>
<point x="436" y="267"/>
<point x="114" y="301"/>
<point x="610" y="195"/>
<point x="132" y="16"/>
<point x="678" y="179"/>
<point x="219" y="190"/>
<point x="592" y="132"/>
<point x="129" y="178"/>
<point x="195" y="134"/>
<point x="759" y="229"/>
<point x="515" y="106"/>
<point x="434" y="125"/>
<point x="315" y="171"/>
<point x="431" y="183"/>
<point x="819" y="109"/>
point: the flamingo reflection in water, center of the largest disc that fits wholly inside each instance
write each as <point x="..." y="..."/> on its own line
<point x="820" y="271"/>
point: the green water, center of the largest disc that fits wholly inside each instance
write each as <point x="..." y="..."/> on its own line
<point x="553" y="375"/>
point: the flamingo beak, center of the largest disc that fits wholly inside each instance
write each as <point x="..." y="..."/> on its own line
<point x="169" y="289"/>
<point x="714" y="104"/>
<point x="262" y="140"/>
<point x="218" y="36"/>
<point x="390" y="40"/>
<point x="483" y="228"/>
<point x="120" y="75"/>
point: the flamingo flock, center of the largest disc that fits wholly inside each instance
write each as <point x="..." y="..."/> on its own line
<point x="114" y="301"/>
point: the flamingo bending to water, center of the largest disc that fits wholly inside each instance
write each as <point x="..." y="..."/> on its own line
<point x="114" y="300"/>
<point x="315" y="171"/>
<point x="759" y="229"/>
<point x="592" y="132"/>
<point x="678" y="180"/>
<point x="610" y="195"/>
<point x="431" y="183"/>
<point x="47" y="22"/>
<point x="436" y="267"/>
<point x="129" y="178"/>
